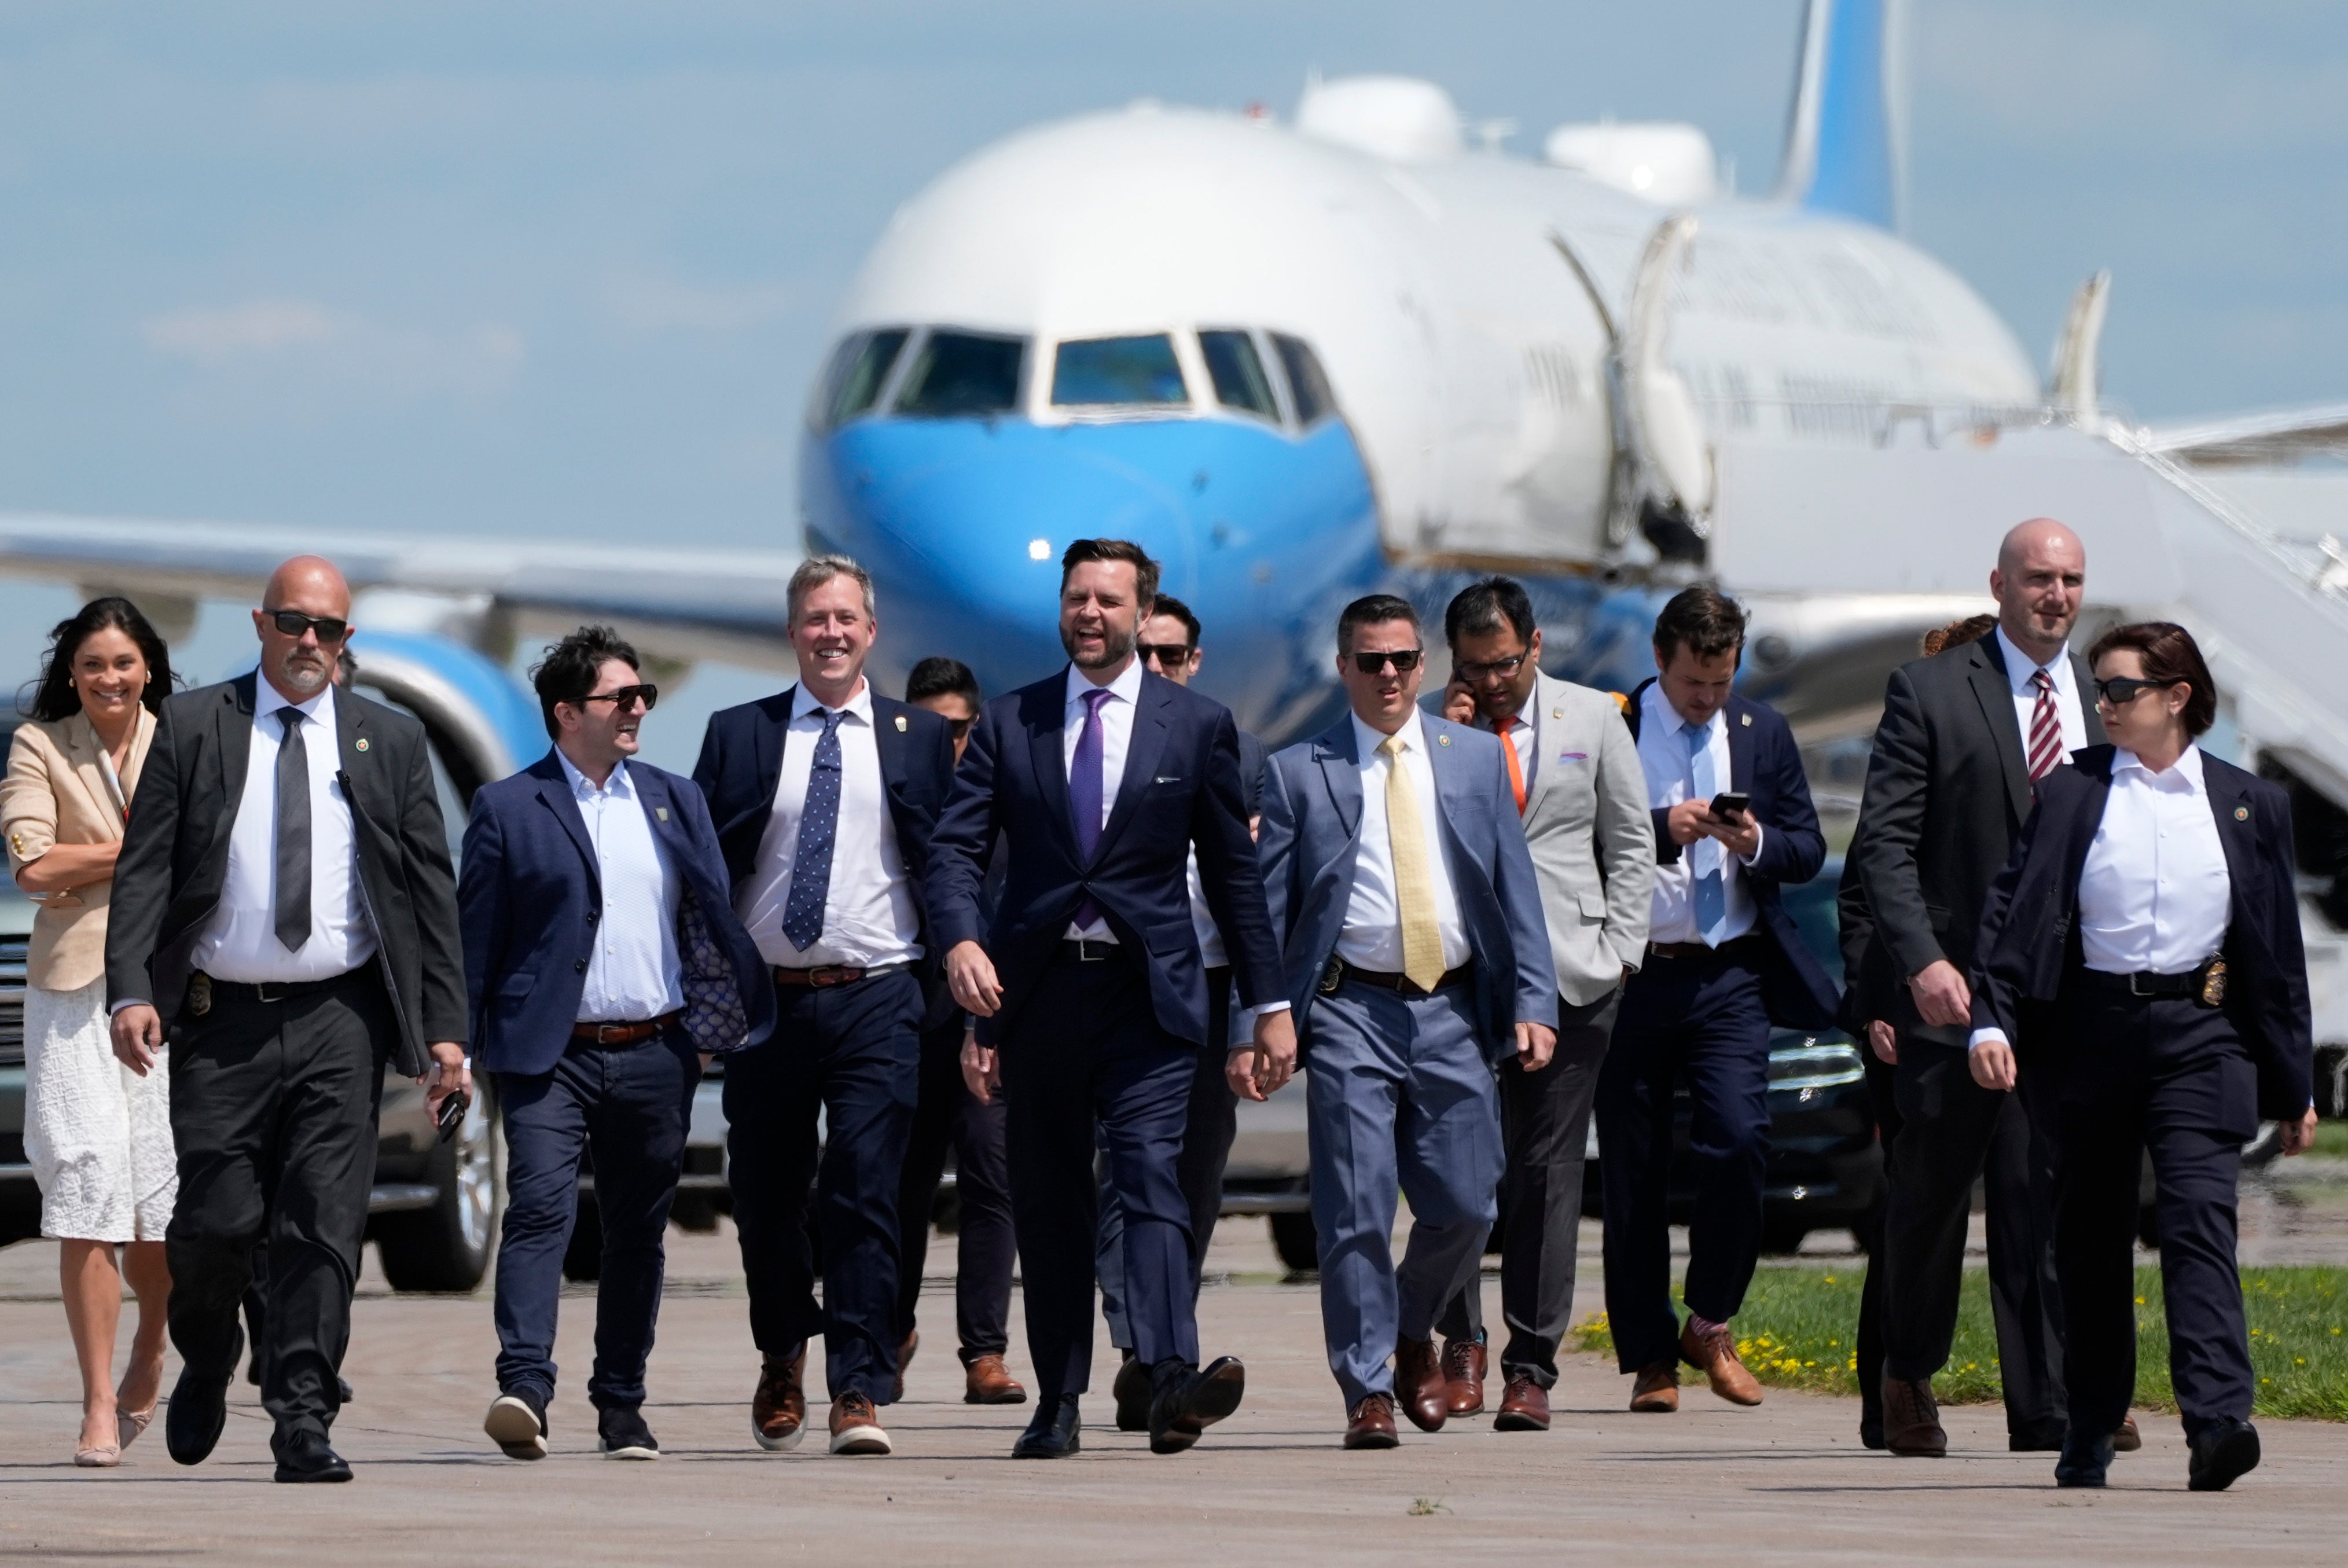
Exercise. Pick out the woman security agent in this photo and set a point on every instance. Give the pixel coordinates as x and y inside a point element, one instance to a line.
<point>2142,950</point>
<point>98,1137</point>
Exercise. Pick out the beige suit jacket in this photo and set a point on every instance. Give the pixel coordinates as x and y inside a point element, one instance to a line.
<point>56,793</point>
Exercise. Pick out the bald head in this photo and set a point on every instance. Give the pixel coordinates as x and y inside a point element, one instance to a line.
<point>2041,578</point>
<point>307,595</point>
<point>311,584</point>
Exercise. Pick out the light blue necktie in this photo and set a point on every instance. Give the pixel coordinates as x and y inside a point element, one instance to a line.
<point>1706,856</point>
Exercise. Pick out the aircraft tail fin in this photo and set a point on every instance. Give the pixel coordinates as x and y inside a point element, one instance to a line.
<point>1844,145</point>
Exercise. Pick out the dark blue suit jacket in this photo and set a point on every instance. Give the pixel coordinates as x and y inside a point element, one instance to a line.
<point>1766,766</point>
<point>1311,831</point>
<point>2029,935</point>
<point>1181,787</point>
<point>528,898</point>
<point>742,762</point>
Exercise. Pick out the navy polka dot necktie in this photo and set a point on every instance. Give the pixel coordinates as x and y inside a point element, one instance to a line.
<point>819,830</point>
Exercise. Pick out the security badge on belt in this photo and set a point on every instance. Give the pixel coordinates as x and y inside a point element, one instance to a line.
<point>199,992</point>
<point>2213,984</point>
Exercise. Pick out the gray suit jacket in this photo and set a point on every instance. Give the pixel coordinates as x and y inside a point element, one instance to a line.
<point>1593,837</point>
<point>1311,826</point>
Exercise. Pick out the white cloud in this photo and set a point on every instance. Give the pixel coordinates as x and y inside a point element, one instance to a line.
<point>300,353</point>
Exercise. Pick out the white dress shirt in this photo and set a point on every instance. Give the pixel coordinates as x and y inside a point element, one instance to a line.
<point>1117,738</point>
<point>1212,953</point>
<point>2154,896</point>
<point>239,941</point>
<point>1664,757</point>
<point>869,918</point>
<point>2018,671</point>
<point>634,970</point>
<point>1371,937</point>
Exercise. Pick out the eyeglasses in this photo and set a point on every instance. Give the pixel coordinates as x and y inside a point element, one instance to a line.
<point>1165,656</point>
<point>1405,660</point>
<point>627,696</point>
<point>293,623</point>
<point>2121,690</point>
<point>1471,673</point>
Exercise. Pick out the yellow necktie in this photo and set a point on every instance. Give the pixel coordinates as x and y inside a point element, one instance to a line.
<point>1422,937</point>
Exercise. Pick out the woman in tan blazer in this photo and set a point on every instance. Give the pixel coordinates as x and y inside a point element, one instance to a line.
<point>98,1137</point>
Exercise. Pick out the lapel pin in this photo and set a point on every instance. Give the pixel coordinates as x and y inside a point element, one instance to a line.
<point>1442,740</point>
<point>1557,713</point>
<point>1748,719</point>
<point>362,745</point>
<point>2242,813</point>
<point>662,812</point>
<point>901,724</point>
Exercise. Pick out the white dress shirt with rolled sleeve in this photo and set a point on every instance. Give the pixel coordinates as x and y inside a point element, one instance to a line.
<point>634,971</point>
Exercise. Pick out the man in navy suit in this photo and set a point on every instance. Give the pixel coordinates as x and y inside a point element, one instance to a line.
<point>1087,983</point>
<point>602,958</point>
<point>1724,962</point>
<point>825,796</point>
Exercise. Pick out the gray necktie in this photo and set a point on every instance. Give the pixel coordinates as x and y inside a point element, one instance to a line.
<point>293,833</point>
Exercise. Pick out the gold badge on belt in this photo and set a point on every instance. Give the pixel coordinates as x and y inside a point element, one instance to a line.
<point>199,992</point>
<point>2213,984</point>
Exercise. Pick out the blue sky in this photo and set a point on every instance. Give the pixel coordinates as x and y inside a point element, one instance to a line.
<point>541,268</point>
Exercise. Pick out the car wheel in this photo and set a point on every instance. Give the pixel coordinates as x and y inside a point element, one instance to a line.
<point>1296,1241</point>
<point>446,1247</point>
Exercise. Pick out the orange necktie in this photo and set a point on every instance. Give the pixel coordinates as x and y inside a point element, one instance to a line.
<point>1515,769</point>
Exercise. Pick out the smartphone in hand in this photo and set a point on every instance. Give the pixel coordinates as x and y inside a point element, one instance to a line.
<point>1730,804</point>
<point>452,1112</point>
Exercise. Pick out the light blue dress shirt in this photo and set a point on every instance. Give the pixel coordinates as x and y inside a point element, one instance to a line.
<point>633,971</point>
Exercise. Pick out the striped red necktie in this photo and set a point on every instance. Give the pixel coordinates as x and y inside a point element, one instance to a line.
<point>2046,728</point>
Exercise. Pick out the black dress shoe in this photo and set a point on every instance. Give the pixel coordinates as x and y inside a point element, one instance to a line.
<point>1190,1401</point>
<point>2222,1455</point>
<point>306,1457</point>
<point>1053,1434</point>
<point>199,1410</point>
<point>2047,1438</point>
<point>1133,1394</point>
<point>2083,1460</point>
<point>1870,1435</point>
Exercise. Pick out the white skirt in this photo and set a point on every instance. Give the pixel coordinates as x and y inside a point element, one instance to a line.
<point>98,1135</point>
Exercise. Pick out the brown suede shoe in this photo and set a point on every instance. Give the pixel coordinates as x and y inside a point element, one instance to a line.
<point>1715,1354</point>
<point>1371,1423</point>
<point>905,1359</point>
<point>1911,1419</point>
<point>1657,1392</point>
<point>987,1381</point>
<point>1524,1407</point>
<point>856,1427</point>
<point>1463,1376</point>
<point>778,1409</point>
<point>2125,1438</point>
<point>1418,1383</point>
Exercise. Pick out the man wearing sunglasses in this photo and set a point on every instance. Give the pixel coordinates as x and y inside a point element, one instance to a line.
<point>283,908</point>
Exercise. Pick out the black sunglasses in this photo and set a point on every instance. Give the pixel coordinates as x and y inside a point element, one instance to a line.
<point>1165,656</point>
<point>2121,690</point>
<point>293,623</point>
<point>1405,660</point>
<point>627,696</point>
<point>1472,673</point>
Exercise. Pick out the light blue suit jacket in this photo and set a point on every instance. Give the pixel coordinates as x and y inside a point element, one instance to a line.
<point>1312,828</point>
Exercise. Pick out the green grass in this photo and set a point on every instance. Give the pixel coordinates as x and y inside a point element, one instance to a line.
<point>2331,1140</point>
<point>1798,1326</point>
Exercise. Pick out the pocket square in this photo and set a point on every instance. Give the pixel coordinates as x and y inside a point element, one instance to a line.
<point>1167,778</point>
<point>1573,757</point>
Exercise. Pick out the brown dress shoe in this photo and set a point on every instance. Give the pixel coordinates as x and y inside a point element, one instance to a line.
<point>1524,1407</point>
<point>987,1381</point>
<point>1911,1419</point>
<point>1418,1383</point>
<point>1463,1376</point>
<point>856,1427</point>
<point>1371,1423</point>
<point>1657,1392</point>
<point>1715,1353</point>
<point>2125,1438</point>
<point>905,1359</point>
<point>778,1409</point>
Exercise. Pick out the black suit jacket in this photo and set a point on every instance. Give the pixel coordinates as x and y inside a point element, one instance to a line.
<point>1766,766</point>
<point>175,857</point>
<point>1181,787</point>
<point>1948,789</point>
<point>2029,937</point>
<point>742,762</point>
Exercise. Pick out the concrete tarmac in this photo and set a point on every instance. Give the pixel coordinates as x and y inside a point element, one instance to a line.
<point>1785,1482</point>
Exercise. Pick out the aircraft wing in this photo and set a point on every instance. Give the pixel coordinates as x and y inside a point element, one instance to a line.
<point>683,604</point>
<point>2273,437</point>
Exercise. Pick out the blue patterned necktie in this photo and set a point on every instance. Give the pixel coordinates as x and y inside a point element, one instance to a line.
<point>1087,787</point>
<point>1706,856</point>
<point>819,830</point>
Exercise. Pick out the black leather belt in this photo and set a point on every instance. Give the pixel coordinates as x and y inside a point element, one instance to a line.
<point>2145,982</point>
<point>1086,950</point>
<point>1403,984</point>
<point>204,992</point>
<point>1687,950</point>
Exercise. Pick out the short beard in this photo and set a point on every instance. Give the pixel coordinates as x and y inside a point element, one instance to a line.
<point>1115,649</point>
<point>308,681</point>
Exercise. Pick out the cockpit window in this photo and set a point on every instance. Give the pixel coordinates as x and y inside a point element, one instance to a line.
<point>859,366</point>
<point>1097,370</point>
<point>1237,370</point>
<point>1307,384</point>
<point>962,373</point>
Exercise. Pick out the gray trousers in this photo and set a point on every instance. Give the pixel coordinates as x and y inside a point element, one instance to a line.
<point>1545,1122</point>
<point>1399,1094</point>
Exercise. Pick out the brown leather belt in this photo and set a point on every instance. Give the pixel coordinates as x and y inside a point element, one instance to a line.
<point>625,1033</point>
<point>1698,949</point>
<point>1403,984</point>
<point>824,975</point>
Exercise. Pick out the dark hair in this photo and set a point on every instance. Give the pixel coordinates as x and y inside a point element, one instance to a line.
<point>1369,610</point>
<point>53,697</point>
<point>1145,570</point>
<point>1167,605</point>
<point>567,672</point>
<point>1703,621</point>
<point>2170,657</point>
<point>942,677</point>
<point>1483,606</point>
<point>1957,633</point>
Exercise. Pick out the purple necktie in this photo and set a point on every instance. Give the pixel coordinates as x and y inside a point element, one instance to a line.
<point>1087,788</point>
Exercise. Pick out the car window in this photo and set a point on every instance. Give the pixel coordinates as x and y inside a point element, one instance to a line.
<point>1238,373</point>
<point>1117,370</point>
<point>1307,384</point>
<point>962,374</point>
